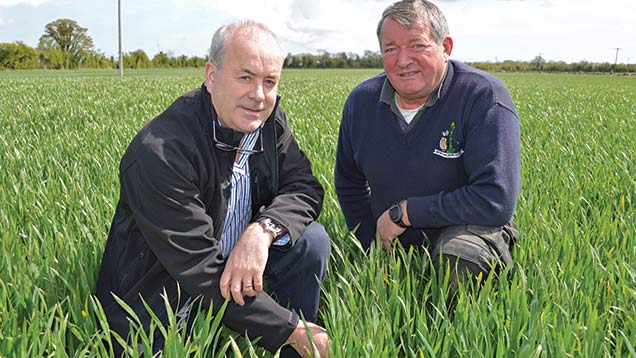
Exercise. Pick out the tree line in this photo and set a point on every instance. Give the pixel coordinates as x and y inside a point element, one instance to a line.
<point>66,45</point>
<point>539,64</point>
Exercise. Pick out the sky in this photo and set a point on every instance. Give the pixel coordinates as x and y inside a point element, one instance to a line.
<point>482,30</point>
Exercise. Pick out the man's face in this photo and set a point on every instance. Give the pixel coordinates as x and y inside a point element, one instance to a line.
<point>413,61</point>
<point>244,88</point>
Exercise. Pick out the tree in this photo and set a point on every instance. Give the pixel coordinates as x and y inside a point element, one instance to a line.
<point>538,62</point>
<point>371,59</point>
<point>52,57</point>
<point>181,61</point>
<point>70,39</point>
<point>340,60</point>
<point>297,62</point>
<point>18,56</point>
<point>308,60</point>
<point>161,60</point>
<point>196,61</point>
<point>136,59</point>
<point>97,59</point>
<point>324,59</point>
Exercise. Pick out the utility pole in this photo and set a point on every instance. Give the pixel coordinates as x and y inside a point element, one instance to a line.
<point>616,58</point>
<point>121,61</point>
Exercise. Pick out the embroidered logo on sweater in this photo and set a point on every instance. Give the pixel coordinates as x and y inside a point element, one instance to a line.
<point>448,148</point>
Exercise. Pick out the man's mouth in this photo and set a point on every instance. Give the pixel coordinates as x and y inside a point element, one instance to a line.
<point>408,74</point>
<point>253,111</point>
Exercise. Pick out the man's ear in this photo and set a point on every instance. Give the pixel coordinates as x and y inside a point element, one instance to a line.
<point>210,72</point>
<point>448,46</point>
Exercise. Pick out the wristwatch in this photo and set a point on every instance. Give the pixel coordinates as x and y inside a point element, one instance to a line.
<point>271,226</point>
<point>396,215</point>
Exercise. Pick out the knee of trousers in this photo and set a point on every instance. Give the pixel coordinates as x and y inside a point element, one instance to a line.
<point>314,249</point>
<point>461,267</point>
<point>472,249</point>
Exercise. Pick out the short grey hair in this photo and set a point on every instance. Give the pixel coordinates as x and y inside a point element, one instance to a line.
<point>409,12</point>
<point>224,33</point>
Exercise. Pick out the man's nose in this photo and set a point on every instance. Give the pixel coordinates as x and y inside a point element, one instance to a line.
<point>257,93</point>
<point>404,58</point>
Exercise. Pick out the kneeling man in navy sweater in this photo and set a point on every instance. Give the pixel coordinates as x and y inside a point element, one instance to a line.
<point>429,150</point>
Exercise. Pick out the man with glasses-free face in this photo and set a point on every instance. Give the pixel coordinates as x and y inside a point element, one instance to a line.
<point>217,198</point>
<point>429,151</point>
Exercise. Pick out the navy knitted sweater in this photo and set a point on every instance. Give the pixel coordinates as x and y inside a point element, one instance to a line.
<point>459,163</point>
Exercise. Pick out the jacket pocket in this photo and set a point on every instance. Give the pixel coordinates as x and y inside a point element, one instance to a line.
<point>132,265</point>
<point>130,271</point>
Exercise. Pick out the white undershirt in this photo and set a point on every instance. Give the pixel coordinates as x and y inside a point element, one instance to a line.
<point>408,114</point>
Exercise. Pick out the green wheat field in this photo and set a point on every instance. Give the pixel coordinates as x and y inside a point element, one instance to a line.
<point>572,291</point>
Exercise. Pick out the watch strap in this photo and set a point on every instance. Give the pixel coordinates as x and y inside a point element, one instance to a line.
<point>398,220</point>
<point>272,226</point>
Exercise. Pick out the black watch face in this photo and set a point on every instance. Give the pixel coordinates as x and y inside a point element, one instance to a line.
<point>394,213</point>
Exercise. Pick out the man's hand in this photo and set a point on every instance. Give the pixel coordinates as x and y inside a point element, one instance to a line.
<point>387,230</point>
<point>299,340</point>
<point>243,273</point>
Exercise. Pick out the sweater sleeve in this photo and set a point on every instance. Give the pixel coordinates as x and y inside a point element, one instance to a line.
<point>351,185</point>
<point>492,162</point>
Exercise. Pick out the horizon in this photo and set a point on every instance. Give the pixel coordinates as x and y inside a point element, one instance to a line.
<point>483,31</point>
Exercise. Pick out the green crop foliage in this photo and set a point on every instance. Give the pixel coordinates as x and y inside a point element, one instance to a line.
<point>573,287</point>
